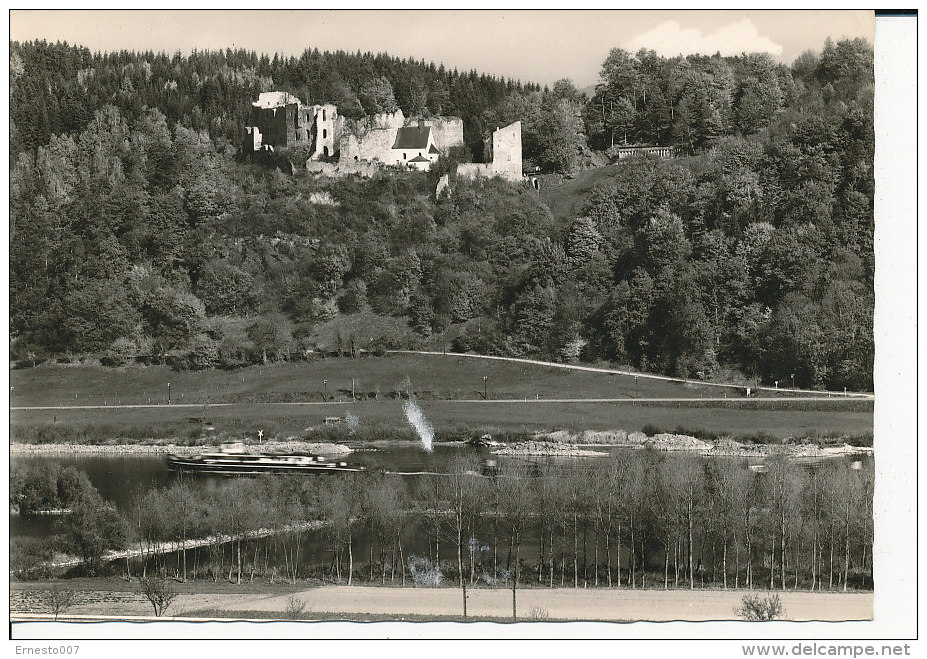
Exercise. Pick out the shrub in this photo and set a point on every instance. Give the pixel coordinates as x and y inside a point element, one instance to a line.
<point>758,609</point>
<point>159,591</point>
<point>650,430</point>
<point>538,613</point>
<point>58,598</point>
<point>295,608</point>
<point>122,351</point>
<point>424,572</point>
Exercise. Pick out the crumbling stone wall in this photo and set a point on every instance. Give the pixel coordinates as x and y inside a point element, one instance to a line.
<point>506,152</point>
<point>279,126</point>
<point>342,168</point>
<point>371,138</point>
<point>324,130</point>
<point>446,131</point>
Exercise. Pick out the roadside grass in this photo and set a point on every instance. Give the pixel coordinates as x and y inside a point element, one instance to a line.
<point>330,379</point>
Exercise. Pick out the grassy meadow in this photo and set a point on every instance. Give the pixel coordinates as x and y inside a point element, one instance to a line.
<point>291,398</point>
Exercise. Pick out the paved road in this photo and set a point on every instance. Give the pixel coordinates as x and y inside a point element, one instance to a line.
<point>557,603</point>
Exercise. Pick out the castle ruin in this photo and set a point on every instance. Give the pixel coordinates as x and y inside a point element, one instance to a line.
<point>280,120</point>
<point>506,160</point>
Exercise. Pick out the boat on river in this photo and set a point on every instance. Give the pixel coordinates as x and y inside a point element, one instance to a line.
<point>235,459</point>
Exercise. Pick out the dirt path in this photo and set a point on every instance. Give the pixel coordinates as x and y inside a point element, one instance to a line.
<point>557,603</point>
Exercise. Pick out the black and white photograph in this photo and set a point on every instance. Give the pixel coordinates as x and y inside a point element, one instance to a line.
<point>473,323</point>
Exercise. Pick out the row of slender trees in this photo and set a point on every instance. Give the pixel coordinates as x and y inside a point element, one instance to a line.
<point>639,519</point>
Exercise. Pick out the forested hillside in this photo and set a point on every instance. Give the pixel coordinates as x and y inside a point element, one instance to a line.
<point>137,234</point>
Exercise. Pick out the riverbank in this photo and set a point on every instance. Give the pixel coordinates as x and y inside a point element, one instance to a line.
<point>112,597</point>
<point>669,442</point>
<point>555,444</point>
<point>548,449</point>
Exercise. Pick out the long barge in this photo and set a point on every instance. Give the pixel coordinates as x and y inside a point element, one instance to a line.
<point>232,460</point>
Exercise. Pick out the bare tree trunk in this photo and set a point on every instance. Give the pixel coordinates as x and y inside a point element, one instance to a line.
<point>666,564</point>
<point>585,556</point>
<point>463,584</point>
<point>643,565</point>
<point>846,559</point>
<point>472,555</point>
<point>618,555</point>
<point>350,558</point>
<point>402,564</point>
<point>772,566</point>
<point>608,560</point>
<point>796,554</point>
<point>724,564</point>
<point>814,557</point>
<point>575,552</point>
<point>495,548</point>
<point>551,563</point>
<point>517,542</point>
<point>296,559</point>
<point>782,549</point>
<point>632,576</point>
<point>736,564</point>
<point>689,515</point>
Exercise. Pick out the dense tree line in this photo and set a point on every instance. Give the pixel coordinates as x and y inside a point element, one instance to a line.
<point>57,88</point>
<point>136,235</point>
<point>640,519</point>
<point>88,526</point>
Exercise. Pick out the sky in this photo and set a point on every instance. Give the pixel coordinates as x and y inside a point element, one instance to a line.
<point>530,45</point>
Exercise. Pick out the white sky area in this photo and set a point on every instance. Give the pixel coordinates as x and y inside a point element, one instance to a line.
<point>531,45</point>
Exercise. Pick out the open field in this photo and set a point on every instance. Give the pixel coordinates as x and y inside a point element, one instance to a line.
<point>430,376</point>
<point>288,399</point>
<point>446,416</point>
<point>361,602</point>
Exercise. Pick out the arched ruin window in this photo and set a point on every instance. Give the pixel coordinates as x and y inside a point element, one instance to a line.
<point>324,133</point>
<point>323,115</point>
<point>325,151</point>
